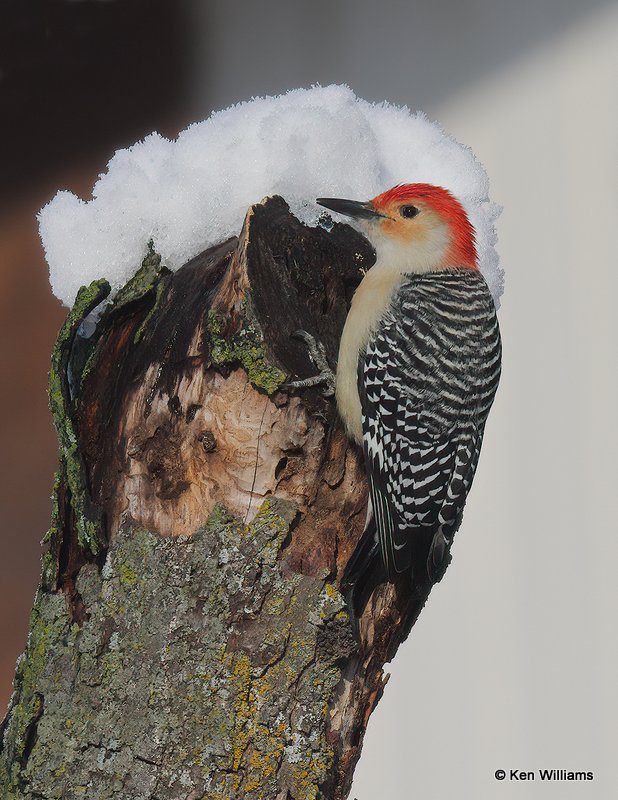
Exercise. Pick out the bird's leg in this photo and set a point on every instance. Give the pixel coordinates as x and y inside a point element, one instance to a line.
<point>318,356</point>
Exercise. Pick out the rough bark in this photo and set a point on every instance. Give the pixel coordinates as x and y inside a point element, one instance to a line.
<point>188,639</point>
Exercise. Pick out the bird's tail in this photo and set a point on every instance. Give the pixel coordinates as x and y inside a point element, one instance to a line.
<point>363,572</point>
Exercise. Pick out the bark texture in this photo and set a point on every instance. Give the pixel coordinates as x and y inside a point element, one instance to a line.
<point>188,639</point>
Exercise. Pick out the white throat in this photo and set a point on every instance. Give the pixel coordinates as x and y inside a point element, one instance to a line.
<point>395,259</point>
<point>425,254</point>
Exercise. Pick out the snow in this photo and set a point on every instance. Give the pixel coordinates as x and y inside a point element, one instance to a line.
<point>192,192</point>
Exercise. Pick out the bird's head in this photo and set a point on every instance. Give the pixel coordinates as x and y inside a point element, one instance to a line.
<point>414,227</point>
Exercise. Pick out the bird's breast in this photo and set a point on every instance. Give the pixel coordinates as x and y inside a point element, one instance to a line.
<point>369,304</point>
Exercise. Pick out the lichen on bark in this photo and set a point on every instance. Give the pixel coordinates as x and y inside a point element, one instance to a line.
<point>246,347</point>
<point>213,653</point>
<point>61,407</point>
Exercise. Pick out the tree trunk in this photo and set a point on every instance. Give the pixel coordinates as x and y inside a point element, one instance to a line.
<point>188,639</point>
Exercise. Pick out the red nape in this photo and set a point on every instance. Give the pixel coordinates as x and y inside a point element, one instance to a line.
<point>463,246</point>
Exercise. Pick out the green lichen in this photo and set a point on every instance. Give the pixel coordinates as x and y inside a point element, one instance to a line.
<point>51,539</point>
<point>198,655</point>
<point>53,529</point>
<point>145,280</point>
<point>60,405</point>
<point>127,575</point>
<point>48,624</point>
<point>159,290</point>
<point>246,348</point>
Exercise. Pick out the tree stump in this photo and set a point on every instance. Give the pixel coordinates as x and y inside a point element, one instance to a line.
<point>189,639</point>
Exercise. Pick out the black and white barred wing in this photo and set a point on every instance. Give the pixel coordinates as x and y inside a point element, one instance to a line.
<point>426,384</point>
<point>418,482</point>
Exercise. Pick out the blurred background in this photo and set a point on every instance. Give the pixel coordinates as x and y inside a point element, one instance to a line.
<point>513,663</point>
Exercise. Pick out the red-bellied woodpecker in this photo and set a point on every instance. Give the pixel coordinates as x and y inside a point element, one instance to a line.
<point>418,368</point>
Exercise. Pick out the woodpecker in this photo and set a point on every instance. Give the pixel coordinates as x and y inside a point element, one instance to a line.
<point>419,364</point>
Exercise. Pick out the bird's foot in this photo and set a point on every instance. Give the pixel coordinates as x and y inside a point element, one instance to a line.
<point>317,353</point>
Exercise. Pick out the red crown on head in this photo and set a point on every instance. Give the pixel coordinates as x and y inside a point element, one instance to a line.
<point>440,200</point>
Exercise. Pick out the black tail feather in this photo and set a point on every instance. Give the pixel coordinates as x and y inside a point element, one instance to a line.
<point>363,572</point>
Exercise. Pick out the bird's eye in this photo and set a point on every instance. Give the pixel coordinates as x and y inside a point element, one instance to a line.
<point>409,211</point>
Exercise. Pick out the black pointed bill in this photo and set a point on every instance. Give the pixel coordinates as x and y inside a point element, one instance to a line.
<point>351,208</point>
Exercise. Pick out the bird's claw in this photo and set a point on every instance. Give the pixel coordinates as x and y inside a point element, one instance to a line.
<point>317,353</point>
<point>325,378</point>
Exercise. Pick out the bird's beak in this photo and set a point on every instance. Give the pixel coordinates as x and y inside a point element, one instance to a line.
<point>351,208</point>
